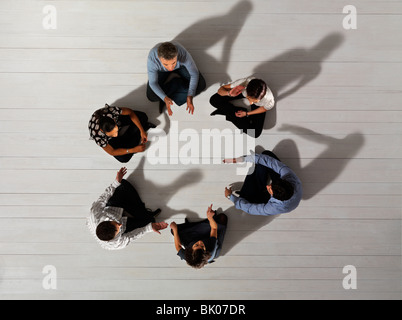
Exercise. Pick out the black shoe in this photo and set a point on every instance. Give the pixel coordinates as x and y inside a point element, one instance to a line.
<point>154,213</point>
<point>151,125</point>
<point>161,106</point>
<point>217,111</point>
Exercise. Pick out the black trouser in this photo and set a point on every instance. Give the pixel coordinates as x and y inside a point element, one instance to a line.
<point>177,88</point>
<point>131,136</point>
<point>127,197</point>
<point>252,125</point>
<point>254,189</point>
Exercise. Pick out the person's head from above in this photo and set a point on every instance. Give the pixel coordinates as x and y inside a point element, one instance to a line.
<point>107,230</point>
<point>256,90</point>
<point>167,54</point>
<point>197,256</point>
<point>280,189</point>
<point>107,124</point>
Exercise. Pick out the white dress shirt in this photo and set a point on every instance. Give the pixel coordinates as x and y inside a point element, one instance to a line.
<point>268,101</point>
<point>100,212</point>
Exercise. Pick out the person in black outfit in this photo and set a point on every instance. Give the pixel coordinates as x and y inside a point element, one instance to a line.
<point>121,132</point>
<point>256,97</point>
<point>202,241</point>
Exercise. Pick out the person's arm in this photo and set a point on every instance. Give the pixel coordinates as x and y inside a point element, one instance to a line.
<point>241,114</point>
<point>230,90</point>
<point>187,60</point>
<point>156,88</point>
<point>258,209</point>
<point>100,204</point>
<point>109,191</point>
<point>224,90</point>
<point>177,242</point>
<point>233,89</point>
<point>153,68</point>
<point>122,151</point>
<point>136,121</point>
<point>265,160</point>
<point>212,222</point>
<point>140,232</point>
<point>156,226</point>
<point>136,233</point>
<point>270,162</point>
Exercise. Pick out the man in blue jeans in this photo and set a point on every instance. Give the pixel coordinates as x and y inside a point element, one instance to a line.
<point>273,188</point>
<point>173,77</point>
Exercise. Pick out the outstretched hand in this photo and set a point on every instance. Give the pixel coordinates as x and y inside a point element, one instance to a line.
<point>156,226</point>
<point>236,91</point>
<point>169,104</point>
<point>120,174</point>
<point>210,212</point>
<point>190,105</point>
<point>233,160</point>
<point>228,192</point>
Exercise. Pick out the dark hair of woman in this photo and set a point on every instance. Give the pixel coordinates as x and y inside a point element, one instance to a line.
<point>196,258</point>
<point>106,123</point>
<point>167,51</point>
<point>106,231</point>
<point>257,89</point>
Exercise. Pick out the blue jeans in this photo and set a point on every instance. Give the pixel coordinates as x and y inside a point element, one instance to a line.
<point>177,88</point>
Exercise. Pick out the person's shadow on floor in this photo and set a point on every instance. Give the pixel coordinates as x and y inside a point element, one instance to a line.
<point>240,226</point>
<point>203,35</point>
<point>197,39</point>
<point>338,151</point>
<point>290,71</point>
<point>327,166</point>
<point>158,196</point>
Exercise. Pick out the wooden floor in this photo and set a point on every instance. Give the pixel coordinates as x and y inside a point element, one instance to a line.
<point>337,123</point>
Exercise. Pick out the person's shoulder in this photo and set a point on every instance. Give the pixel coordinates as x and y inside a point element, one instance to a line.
<point>181,50</point>
<point>153,53</point>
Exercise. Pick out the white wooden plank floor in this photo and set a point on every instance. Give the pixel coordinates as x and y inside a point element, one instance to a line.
<point>337,123</point>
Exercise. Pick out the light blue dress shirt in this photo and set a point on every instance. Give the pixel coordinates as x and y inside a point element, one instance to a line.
<point>273,206</point>
<point>184,58</point>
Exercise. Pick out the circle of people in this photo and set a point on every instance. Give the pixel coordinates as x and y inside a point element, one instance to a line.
<point>119,216</point>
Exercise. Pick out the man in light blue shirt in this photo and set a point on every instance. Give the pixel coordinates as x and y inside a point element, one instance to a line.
<point>273,188</point>
<point>173,76</point>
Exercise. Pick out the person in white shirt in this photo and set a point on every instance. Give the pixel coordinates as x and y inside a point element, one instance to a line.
<point>119,216</point>
<point>257,98</point>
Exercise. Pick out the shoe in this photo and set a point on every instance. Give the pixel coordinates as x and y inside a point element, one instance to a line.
<point>151,125</point>
<point>161,106</point>
<point>217,111</point>
<point>154,213</point>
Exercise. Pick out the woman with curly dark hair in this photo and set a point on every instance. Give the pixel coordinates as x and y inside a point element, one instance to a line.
<point>202,241</point>
<point>121,132</point>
